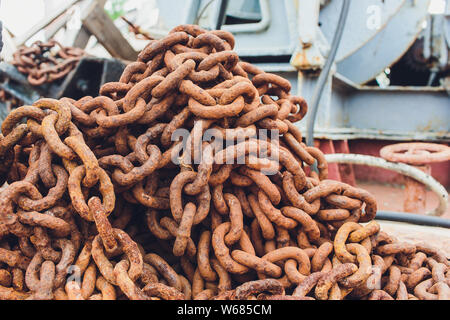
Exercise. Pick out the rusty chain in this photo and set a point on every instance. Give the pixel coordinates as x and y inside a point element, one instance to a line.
<point>95,208</point>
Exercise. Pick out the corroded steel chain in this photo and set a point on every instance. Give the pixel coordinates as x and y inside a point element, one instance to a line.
<point>104,201</point>
<point>43,63</point>
<point>7,102</point>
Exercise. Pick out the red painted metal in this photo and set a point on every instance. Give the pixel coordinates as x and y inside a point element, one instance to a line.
<point>415,193</point>
<point>419,155</point>
<point>341,172</point>
<point>327,147</point>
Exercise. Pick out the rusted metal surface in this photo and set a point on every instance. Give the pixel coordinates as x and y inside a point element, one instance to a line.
<point>420,155</point>
<point>81,172</point>
<point>88,76</point>
<point>42,65</point>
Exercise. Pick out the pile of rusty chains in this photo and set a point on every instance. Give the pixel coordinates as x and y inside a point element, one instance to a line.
<point>118,219</point>
<point>44,66</point>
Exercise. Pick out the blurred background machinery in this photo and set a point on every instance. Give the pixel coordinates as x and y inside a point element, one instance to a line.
<point>389,81</point>
<point>392,59</point>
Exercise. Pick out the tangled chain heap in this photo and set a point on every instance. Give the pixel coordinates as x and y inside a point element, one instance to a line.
<point>95,208</point>
<point>44,66</point>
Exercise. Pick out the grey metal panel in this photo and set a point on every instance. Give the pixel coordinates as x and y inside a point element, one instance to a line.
<point>367,18</point>
<point>387,46</point>
<point>260,26</point>
<point>176,12</point>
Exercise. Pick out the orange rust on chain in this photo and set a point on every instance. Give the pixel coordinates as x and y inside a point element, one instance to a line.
<point>82,173</point>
